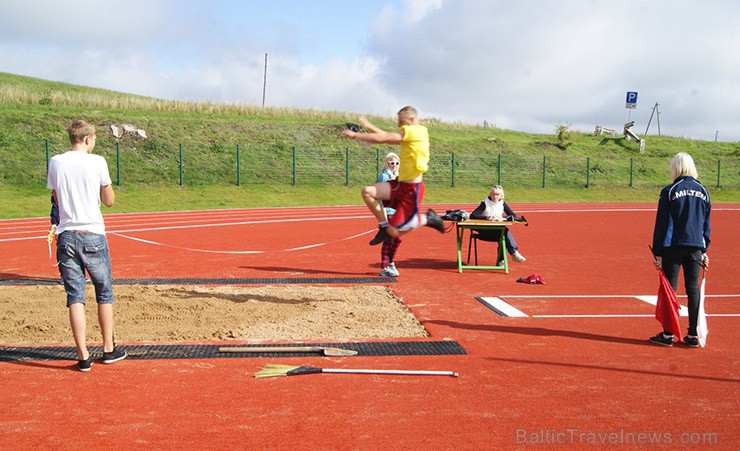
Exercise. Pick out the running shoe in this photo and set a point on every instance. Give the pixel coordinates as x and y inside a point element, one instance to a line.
<point>435,221</point>
<point>390,271</point>
<point>690,341</point>
<point>662,340</point>
<point>114,356</point>
<point>85,365</point>
<point>381,236</point>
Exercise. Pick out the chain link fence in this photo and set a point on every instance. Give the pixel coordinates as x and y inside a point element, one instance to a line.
<point>214,164</point>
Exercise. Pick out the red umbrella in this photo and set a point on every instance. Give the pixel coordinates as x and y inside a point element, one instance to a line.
<point>666,309</point>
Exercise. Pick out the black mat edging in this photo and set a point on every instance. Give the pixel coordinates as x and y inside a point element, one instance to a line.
<point>152,352</point>
<point>223,281</point>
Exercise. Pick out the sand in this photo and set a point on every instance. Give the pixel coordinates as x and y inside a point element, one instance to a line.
<point>37,315</point>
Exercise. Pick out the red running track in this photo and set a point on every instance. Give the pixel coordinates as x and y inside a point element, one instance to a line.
<point>577,370</point>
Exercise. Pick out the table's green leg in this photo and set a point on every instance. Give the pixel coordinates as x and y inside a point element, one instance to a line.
<point>459,231</point>
<point>502,243</point>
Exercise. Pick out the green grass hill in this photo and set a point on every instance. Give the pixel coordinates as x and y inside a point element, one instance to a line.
<point>205,155</point>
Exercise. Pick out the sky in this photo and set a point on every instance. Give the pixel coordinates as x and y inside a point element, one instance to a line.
<point>524,65</point>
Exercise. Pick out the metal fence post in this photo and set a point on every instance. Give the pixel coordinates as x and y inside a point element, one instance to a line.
<point>453,170</point>
<point>498,182</point>
<point>544,169</point>
<point>631,170</point>
<point>346,166</point>
<point>294,167</point>
<point>46,142</point>
<point>238,166</point>
<point>588,171</point>
<point>118,163</point>
<point>180,165</point>
<point>377,162</point>
<point>719,171</point>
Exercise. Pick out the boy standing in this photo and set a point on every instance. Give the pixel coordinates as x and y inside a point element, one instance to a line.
<point>80,181</point>
<point>407,191</point>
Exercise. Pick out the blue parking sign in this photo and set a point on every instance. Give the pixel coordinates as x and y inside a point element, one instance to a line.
<point>631,101</point>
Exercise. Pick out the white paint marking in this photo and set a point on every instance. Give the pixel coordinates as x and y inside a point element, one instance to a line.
<point>623,316</point>
<point>502,308</point>
<point>652,300</point>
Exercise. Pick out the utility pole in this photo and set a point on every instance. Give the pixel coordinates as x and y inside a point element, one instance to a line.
<point>264,83</point>
<point>657,116</point>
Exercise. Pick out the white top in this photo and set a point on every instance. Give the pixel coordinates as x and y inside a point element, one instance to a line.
<point>495,209</point>
<point>77,177</point>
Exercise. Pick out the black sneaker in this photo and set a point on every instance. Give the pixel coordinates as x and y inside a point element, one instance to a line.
<point>691,342</point>
<point>114,356</point>
<point>660,339</point>
<point>381,236</point>
<point>85,365</point>
<point>435,221</point>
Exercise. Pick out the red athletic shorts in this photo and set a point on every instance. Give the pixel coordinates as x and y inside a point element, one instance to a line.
<point>406,198</point>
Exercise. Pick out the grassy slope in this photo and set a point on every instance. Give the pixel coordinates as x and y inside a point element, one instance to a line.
<point>33,110</point>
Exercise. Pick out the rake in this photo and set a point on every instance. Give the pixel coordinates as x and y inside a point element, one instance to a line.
<point>308,349</point>
<point>275,370</point>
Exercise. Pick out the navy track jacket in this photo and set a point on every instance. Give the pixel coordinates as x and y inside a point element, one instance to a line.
<point>683,216</point>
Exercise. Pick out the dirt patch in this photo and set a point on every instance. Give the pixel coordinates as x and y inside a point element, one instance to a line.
<point>169,313</point>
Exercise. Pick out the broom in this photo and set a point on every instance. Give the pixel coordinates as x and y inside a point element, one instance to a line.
<point>275,370</point>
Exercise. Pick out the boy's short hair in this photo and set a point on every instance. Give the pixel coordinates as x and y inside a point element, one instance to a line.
<point>79,130</point>
<point>408,112</point>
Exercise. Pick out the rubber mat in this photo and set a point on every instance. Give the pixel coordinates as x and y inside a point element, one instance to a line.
<point>224,281</point>
<point>151,352</point>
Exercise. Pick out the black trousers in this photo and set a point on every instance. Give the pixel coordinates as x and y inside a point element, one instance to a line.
<point>688,258</point>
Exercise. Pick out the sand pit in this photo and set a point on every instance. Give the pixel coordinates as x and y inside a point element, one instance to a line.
<point>167,313</point>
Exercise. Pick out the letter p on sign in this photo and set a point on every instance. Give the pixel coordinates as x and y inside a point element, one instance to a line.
<point>631,101</point>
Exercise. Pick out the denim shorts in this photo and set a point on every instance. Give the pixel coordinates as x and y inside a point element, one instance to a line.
<point>78,252</point>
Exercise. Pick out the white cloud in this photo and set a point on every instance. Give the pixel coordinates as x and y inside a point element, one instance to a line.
<point>525,65</point>
<point>532,64</point>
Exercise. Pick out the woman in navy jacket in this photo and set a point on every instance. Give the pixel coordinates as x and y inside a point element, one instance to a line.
<point>681,237</point>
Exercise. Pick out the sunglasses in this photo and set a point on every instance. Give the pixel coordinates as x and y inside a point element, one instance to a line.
<point>393,163</point>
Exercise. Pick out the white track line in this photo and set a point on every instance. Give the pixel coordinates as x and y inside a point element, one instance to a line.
<point>598,296</point>
<point>113,230</point>
<point>623,316</point>
<point>653,300</point>
<point>214,251</point>
<point>502,308</point>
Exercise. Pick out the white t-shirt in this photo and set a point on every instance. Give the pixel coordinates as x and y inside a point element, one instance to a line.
<point>77,177</point>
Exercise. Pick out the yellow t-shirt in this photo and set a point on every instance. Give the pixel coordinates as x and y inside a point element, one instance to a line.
<point>414,152</point>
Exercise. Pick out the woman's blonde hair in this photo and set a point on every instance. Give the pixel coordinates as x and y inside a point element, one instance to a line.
<point>497,188</point>
<point>682,165</point>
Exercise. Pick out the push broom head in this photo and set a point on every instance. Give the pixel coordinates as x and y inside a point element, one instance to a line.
<point>276,369</point>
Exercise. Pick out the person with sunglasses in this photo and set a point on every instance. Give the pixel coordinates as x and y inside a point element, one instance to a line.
<point>390,247</point>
